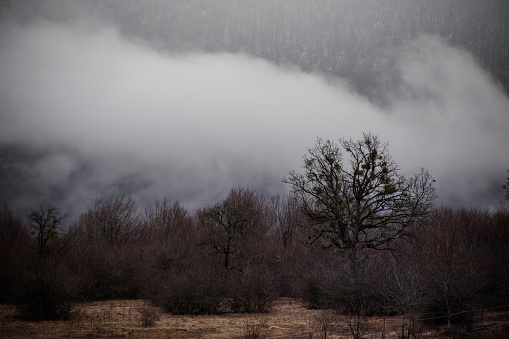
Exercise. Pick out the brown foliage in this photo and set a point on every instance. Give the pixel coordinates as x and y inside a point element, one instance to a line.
<point>240,254</point>
<point>14,243</point>
<point>460,252</point>
<point>113,220</point>
<point>235,227</point>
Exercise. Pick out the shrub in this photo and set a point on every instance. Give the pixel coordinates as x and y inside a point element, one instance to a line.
<point>47,293</point>
<point>149,315</point>
<point>14,243</point>
<point>208,288</point>
<point>251,291</point>
<point>190,292</point>
<point>253,332</point>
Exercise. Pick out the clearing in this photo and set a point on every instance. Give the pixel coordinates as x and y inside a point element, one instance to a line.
<point>288,319</point>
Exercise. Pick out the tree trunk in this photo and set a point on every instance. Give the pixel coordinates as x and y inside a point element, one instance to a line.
<point>402,325</point>
<point>354,265</point>
<point>226,258</point>
<point>383,331</point>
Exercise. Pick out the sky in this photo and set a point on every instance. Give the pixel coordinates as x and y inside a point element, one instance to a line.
<point>85,112</point>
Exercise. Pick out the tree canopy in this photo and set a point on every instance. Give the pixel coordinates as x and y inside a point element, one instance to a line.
<point>362,201</point>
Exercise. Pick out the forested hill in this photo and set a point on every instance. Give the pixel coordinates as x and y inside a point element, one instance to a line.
<point>357,40</point>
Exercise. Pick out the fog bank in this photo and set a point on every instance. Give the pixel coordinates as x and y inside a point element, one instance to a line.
<point>86,112</point>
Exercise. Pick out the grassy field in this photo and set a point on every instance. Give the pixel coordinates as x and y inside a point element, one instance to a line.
<point>288,319</point>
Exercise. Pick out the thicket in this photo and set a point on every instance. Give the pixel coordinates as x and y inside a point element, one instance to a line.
<point>455,262</point>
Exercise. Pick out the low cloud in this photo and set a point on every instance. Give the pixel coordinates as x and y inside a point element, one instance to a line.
<point>89,112</point>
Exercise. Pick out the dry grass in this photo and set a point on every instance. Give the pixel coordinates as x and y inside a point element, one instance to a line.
<point>289,319</point>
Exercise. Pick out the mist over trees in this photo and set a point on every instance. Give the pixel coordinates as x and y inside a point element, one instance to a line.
<point>352,39</point>
<point>130,59</point>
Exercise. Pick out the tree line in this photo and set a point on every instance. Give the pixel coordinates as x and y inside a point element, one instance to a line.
<point>353,236</point>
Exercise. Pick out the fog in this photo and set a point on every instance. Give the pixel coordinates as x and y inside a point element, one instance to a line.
<point>86,111</point>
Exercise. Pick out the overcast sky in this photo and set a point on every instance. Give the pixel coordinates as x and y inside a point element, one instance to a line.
<point>97,114</point>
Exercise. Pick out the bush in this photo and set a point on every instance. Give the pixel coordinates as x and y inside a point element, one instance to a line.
<point>149,315</point>
<point>14,243</point>
<point>191,302</point>
<point>208,288</point>
<point>251,291</point>
<point>189,292</point>
<point>253,332</point>
<point>321,279</point>
<point>46,294</point>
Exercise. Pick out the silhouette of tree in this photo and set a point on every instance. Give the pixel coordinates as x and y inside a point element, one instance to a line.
<point>360,203</point>
<point>45,223</point>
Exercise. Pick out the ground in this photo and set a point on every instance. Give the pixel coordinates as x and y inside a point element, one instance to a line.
<point>288,319</point>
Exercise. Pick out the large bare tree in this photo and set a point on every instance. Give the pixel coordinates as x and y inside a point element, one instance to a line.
<point>359,202</point>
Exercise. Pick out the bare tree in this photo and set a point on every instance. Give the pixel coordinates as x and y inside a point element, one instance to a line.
<point>171,232</point>
<point>170,221</point>
<point>454,259</point>
<point>325,321</point>
<point>285,218</point>
<point>354,311</point>
<point>113,220</point>
<point>14,240</point>
<point>231,226</point>
<point>45,223</point>
<point>361,203</point>
<point>105,248</point>
<point>403,289</point>
<point>12,230</point>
